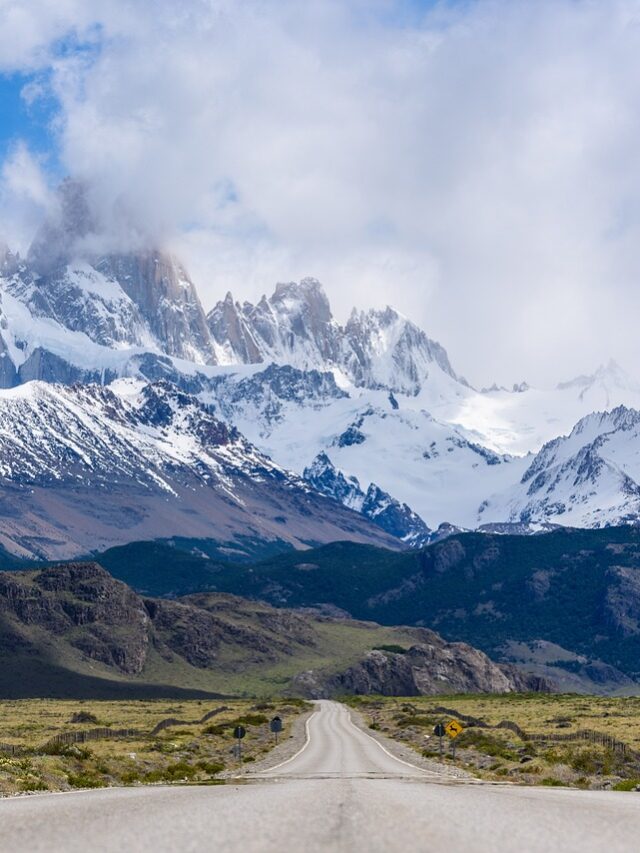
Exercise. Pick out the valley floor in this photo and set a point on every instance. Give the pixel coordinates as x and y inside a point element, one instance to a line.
<point>341,792</point>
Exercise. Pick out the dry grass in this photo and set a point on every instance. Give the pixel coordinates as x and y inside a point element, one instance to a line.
<point>500,754</point>
<point>195,752</point>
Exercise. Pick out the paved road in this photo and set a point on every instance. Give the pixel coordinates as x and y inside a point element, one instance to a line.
<point>342,792</point>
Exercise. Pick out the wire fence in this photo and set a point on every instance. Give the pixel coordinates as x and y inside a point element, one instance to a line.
<point>608,741</point>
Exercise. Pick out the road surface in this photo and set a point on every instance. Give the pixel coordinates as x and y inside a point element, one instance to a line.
<point>341,792</point>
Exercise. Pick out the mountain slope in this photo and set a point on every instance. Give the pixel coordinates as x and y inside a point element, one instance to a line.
<point>69,286</point>
<point>89,467</point>
<point>380,507</point>
<point>76,619</point>
<point>566,604</point>
<point>589,478</point>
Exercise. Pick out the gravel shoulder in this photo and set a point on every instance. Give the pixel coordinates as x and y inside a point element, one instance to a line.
<point>404,752</point>
<point>294,741</point>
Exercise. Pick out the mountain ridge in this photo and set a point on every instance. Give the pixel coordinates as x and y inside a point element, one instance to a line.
<point>375,395</point>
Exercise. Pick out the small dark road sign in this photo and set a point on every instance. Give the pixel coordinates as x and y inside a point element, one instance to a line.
<point>239,732</point>
<point>276,727</point>
<point>439,730</point>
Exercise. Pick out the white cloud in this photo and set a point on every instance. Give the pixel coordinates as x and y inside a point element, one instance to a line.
<point>476,164</point>
<point>25,196</point>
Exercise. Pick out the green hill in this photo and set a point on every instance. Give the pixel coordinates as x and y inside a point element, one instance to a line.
<point>570,598</point>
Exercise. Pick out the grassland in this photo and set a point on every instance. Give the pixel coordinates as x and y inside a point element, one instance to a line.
<point>501,755</point>
<point>189,752</point>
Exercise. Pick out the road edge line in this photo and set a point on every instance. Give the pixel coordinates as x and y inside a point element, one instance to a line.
<point>299,752</point>
<point>385,750</point>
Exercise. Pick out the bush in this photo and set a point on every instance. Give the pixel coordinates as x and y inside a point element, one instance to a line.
<point>216,729</point>
<point>627,785</point>
<point>487,744</point>
<point>85,780</point>
<point>179,770</point>
<point>392,648</point>
<point>550,782</point>
<point>245,720</point>
<point>31,783</point>
<point>414,720</point>
<point>129,777</point>
<point>84,717</point>
<point>251,720</point>
<point>175,772</point>
<point>211,767</point>
<point>67,750</point>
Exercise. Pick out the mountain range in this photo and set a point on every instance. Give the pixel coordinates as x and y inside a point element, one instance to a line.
<point>271,421</point>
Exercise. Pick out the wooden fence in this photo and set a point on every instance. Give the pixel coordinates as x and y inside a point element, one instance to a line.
<point>102,733</point>
<point>601,738</point>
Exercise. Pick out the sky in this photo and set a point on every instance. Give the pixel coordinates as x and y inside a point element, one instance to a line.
<point>474,164</point>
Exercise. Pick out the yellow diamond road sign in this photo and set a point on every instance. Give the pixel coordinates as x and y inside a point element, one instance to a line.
<point>453,728</point>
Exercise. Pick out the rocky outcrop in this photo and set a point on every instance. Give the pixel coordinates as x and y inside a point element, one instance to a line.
<point>198,626</point>
<point>166,299</point>
<point>83,606</point>
<point>621,607</point>
<point>432,667</point>
<point>99,616</point>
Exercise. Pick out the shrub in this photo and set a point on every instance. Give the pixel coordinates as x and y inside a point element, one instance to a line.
<point>415,720</point>
<point>85,780</point>
<point>31,783</point>
<point>211,767</point>
<point>392,648</point>
<point>251,720</point>
<point>177,771</point>
<point>487,744</point>
<point>84,717</point>
<point>551,782</point>
<point>245,720</point>
<point>67,750</point>
<point>216,729</point>
<point>129,777</point>
<point>627,785</point>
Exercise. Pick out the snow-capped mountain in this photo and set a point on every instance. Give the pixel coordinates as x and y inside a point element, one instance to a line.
<point>87,467</point>
<point>589,478</point>
<point>375,396</point>
<point>65,291</point>
<point>295,326</point>
<point>396,518</point>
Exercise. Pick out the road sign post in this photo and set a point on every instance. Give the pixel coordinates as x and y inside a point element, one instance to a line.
<point>276,727</point>
<point>239,732</point>
<point>453,729</point>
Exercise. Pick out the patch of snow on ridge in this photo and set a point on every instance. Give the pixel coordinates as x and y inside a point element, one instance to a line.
<point>588,478</point>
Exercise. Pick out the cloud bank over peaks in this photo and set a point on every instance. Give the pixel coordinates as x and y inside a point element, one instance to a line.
<point>475,164</point>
